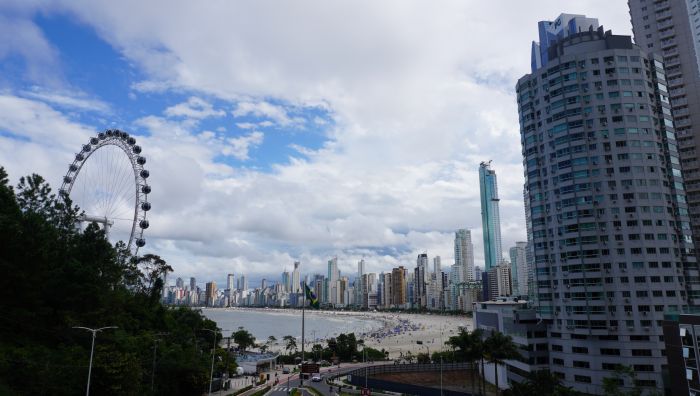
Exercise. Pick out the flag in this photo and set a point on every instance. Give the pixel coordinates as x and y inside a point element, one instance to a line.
<point>313,301</point>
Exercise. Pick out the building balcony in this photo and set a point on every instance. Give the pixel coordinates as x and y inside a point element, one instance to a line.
<point>683,111</point>
<point>670,52</point>
<point>682,101</point>
<point>674,61</point>
<point>664,24</point>
<point>661,15</point>
<point>664,5</point>
<point>675,82</point>
<point>666,44</point>
<point>667,33</point>
<point>677,91</point>
<point>684,122</point>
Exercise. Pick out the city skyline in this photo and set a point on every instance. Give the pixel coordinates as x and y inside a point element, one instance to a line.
<point>252,170</point>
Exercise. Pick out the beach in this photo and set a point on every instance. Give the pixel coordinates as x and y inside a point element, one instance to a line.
<point>395,332</point>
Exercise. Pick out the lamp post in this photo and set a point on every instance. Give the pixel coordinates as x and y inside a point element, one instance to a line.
<point>92,349</point>
<point>155,348</point>
<point>213,352</point>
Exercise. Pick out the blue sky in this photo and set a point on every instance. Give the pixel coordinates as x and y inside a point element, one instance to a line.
<point>275,133</point>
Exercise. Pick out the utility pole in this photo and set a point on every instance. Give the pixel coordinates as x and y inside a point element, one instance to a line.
<point>303,306</point>
<point>92,350</point>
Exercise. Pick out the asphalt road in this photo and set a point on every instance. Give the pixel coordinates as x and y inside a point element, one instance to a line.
<point>285,386</point>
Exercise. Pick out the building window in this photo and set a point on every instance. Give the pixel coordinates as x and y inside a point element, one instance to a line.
<point>582,364</point>
<point>582,378</point>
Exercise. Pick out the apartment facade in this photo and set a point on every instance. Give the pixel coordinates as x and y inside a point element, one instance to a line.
<point>607,213</point>
<point>670,29</point>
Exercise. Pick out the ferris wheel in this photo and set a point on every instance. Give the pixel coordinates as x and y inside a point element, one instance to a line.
<point>107,181</point>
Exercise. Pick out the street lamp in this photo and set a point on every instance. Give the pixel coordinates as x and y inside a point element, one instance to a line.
<point>213,352</point>
<point>92,349</point>
<point>155,348</point>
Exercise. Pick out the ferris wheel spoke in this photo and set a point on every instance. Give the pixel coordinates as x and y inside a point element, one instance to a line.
<point>106,184</point>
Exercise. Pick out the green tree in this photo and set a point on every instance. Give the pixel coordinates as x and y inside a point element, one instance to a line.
<point>290,344</point>
<point>82,280</point>
<point>423,358</point>
<point>615,385</point>
<point>469,347</point>
<point>500,348</point>
<point>540,383</point>
<point>243,338</point>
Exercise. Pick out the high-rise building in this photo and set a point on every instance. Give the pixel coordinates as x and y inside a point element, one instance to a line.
<point>398,286</point>
<point>242,283</point>
<point>499,281</point>
<point>477,273</point>
<point>286,281</point>
<point>420,280</point>
<point>490,217</point>
<point>358,288</point>
<point>193,284</point>
<point>210,294</point>
<point>518,268</point>
<point>229,282</point>
<point>669,28</point>
<point>332,279</point>
<point>179,283</point>
<point>437,265</point>
<point>610,232</point>
<point>464,253</point>
<point>296,278</point>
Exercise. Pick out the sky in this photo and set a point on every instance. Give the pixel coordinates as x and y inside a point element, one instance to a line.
<point>284,131</point>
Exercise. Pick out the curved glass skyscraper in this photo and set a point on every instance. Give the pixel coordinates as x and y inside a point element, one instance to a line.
<point>490,218</point>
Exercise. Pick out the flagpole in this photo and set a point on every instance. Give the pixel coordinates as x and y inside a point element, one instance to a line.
<point>303,306</point>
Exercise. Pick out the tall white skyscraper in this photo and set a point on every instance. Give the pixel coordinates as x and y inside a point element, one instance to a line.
<point>464,253</point>
<point>421,280</point>
<point>242,283</point>
<point>296,278</point>
<point>229,282</point>
<point>437,265</point>
<point>332,280</point>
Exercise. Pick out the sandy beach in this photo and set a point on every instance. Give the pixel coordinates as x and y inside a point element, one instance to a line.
<point>402,331</point>
<point>397,333</point>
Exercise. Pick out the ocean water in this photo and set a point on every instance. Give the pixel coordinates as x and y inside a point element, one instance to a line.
<point>279,323</point>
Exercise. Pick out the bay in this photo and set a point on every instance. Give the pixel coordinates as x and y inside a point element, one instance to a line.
<point>263,323</point>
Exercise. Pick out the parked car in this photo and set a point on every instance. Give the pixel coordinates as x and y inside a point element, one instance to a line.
<point>317,378</point>
<point>285,370</point>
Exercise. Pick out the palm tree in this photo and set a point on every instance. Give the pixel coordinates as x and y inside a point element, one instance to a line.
<point>500,348</point>
<point>470,349</point>
<point>271,339</point>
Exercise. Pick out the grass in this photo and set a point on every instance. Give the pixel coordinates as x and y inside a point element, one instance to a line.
<point>238,392</point>
<point>313,391</point>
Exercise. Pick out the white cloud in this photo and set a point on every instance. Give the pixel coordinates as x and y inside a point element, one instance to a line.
<point>195,108</point>
<point>68,100</point>
<point>239,147</point>
<point>416,98</point>
<point>264,109</point>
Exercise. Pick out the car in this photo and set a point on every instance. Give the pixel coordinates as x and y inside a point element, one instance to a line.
<point>317,378</point>
<point>285,370</point>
